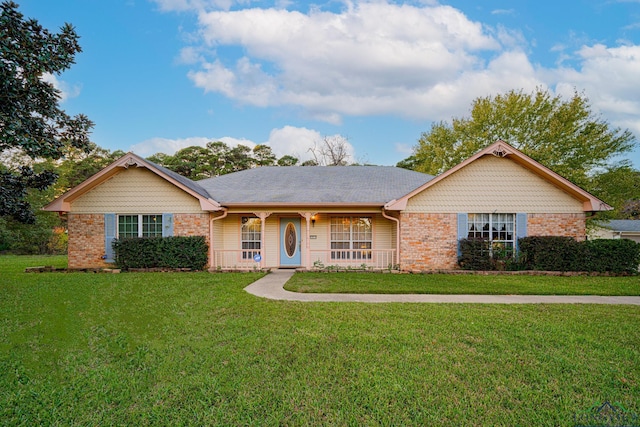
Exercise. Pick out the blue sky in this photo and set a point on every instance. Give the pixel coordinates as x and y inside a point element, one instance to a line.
<point>160,75</point>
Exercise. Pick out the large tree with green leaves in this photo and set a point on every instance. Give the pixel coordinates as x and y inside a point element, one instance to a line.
<point>31,120</point>
<point>562,134</point>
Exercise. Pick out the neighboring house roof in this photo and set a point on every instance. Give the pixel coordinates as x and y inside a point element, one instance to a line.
<point>502,149</point>
<point>313,185</point>
<point>622,225</point>
<point>63,203</point>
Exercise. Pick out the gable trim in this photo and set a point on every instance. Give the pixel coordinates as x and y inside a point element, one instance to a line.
<point>63,203</point>
<point>501,149</point>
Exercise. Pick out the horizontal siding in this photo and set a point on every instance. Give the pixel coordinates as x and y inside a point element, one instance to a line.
<point>494,184</point>
<point>136,190</point>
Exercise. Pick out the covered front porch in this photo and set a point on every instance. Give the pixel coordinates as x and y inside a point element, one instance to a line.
<point>304,239</point>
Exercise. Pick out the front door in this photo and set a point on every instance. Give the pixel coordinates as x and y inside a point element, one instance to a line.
<point>290,242</point>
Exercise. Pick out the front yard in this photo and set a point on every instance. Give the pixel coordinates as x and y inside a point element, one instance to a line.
<point>195,349</point>
<point>375,283</point>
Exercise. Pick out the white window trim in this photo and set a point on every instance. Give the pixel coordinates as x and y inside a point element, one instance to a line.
<point>140,223</point>
<point>494,235</point>
<point>352,253</point>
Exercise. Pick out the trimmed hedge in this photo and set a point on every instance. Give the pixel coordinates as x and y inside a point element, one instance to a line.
<point>555,253</point>
<point>550,253</point>
<point>475,254</point>
<point>161,252</point>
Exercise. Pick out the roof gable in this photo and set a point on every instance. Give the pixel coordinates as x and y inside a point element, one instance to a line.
<point>63,203</point>
<point>503,150</point>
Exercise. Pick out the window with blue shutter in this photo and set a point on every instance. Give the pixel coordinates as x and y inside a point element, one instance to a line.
<point>167,224</point>
<point>109,236</point>
<point>463,230</point>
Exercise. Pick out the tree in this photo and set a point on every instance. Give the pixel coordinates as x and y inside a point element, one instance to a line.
<point>619,186</point>
<point>263,155</point>
<point>563,135</point>
<point>31,120</point>
<point>288,160</point>
<point>331,151</point>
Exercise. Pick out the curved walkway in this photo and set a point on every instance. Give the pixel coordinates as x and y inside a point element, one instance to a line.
<point>271,287</point>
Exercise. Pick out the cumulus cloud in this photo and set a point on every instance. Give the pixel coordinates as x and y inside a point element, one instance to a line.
<point>67,90</point>
<point>423,60</point>
<point>359,61</point>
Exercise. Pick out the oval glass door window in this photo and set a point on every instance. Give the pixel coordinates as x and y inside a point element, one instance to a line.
<point>290,240</point>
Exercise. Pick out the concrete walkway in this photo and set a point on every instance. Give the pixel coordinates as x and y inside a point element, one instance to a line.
<point>271,287</point>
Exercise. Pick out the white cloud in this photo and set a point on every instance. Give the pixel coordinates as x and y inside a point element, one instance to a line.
<point>67,90</point>
<point>610,77</point>
<point>423,60</point>
<point>353,62</point>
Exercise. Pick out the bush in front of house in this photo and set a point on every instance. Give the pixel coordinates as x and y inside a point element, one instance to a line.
<point>550,253</point>
<point>612,255</point>
<point>161,252</point>
<point>475,254</point>
<point>555,253</point>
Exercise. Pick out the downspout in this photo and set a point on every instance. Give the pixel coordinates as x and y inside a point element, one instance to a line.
<point>214,218</point>
<point>397,234</point>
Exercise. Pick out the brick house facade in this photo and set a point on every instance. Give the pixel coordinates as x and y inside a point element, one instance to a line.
<point>304,217</point>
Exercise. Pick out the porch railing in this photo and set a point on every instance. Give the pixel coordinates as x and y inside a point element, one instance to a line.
<point>376,259</point>
<point>372,259</point>
<point>240,259</point>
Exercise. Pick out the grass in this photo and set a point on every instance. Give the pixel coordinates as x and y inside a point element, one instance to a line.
<point>195,349</point>
<point>369,283</point>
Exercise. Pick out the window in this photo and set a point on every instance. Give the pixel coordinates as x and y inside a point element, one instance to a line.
<point>351,238</point>
<point>139,226</point>
<point>251,235</point>
<point>497,228</point>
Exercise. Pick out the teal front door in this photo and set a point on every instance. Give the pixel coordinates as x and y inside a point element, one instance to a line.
<point>290,242</point>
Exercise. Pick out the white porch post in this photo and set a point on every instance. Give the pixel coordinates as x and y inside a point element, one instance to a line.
<point>307,216</point>
<point>263,221</point>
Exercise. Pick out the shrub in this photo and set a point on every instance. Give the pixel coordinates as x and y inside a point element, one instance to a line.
<point>553,253</point>
<point>612,255</point>
<point>550,253</point>
<point>161,252</point>
<point>475,254</point>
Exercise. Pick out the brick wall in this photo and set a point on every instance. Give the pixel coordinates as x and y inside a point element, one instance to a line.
<point>569,225</point>
<point>191,225</point>
<point>86,236</point>
<point>86,240</point>
<point>428,241</point>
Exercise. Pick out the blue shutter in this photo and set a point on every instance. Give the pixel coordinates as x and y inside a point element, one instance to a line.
<point>463,228</point>
<point>167,224</point>
<point>109,236</point>
<point>521,227</point>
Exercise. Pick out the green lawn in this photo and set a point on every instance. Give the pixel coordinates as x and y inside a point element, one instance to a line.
<point>195,349</point>
<point>371,283</point>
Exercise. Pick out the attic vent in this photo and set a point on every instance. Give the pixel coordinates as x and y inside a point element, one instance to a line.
<point>130,162</point>
<point>500,151</point>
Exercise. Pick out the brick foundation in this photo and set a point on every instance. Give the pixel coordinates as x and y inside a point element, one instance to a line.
<point>86,236</point>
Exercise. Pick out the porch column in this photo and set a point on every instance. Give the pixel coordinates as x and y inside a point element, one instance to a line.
<point>263,220</point>
<point>307,216</point>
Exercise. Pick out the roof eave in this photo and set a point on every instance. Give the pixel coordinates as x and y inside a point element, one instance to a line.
<point>63,203</point>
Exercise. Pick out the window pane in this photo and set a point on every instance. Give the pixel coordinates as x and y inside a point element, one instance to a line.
<point>151,225</point>
<point>351,238</point>
<point>250,237</point>
<point>127,226</point>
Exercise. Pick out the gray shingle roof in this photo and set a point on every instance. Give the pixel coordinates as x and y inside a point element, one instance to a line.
<point>375,185</point>
<point>629,225</point>
<point>192,185</point>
